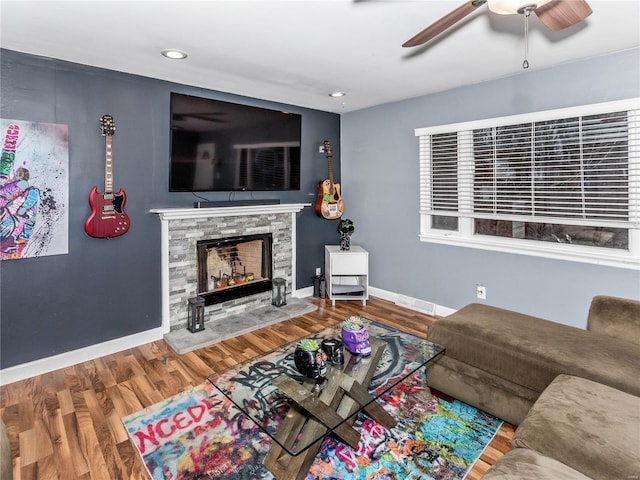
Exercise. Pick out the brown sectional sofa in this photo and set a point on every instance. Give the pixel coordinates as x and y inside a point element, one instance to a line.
<point>572,392</point>
<point>588,426</point>
<point>501,361</point>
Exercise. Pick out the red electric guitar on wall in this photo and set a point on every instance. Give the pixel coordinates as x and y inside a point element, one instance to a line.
<point>108,218</point>
<point>329,204</point>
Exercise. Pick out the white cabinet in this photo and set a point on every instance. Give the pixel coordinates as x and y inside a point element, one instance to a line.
<point>347,273</point>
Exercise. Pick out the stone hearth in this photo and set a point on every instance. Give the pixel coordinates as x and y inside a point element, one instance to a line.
<point>181,229</point>
<point>183,341</point>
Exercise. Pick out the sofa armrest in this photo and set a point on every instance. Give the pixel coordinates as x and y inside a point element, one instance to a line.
<point>616,317</point>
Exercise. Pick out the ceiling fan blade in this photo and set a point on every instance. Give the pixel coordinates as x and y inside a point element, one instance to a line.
<point>445,22</point>
<point>561,14</point>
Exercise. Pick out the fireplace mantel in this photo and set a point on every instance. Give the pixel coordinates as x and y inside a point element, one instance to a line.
<point>174,217</point>
<point>167,214</point>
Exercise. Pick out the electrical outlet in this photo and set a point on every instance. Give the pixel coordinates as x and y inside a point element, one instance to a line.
<point>481,291</point>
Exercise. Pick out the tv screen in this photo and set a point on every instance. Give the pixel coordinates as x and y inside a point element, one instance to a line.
<point>223,146</point>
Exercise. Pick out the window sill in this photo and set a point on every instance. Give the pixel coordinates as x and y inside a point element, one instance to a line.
<point>574,253</point>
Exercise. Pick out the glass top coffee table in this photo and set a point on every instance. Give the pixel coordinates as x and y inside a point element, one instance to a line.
<point>297,413</point>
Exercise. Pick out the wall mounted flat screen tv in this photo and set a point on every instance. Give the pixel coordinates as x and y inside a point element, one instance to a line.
<point>223,146</point>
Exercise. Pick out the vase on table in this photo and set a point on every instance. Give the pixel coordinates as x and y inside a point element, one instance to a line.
<point>355,336</point>
<point>345,229</point>
<point>310,359</point>
<point>333,348</point>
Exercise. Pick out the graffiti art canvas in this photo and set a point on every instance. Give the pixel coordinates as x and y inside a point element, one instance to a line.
<point>34,189</point>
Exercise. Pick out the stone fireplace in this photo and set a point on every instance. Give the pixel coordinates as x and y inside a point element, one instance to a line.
<point>234,267</point>
<point>185,232</point>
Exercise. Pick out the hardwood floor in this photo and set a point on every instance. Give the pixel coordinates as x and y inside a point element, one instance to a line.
<point>66,424</point>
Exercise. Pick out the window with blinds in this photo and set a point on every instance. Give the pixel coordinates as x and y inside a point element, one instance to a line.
<point>569,177</point>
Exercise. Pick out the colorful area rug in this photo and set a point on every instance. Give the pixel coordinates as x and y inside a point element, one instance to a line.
<point>199,434</point>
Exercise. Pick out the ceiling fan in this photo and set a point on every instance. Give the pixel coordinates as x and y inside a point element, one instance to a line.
<point>555,14</point>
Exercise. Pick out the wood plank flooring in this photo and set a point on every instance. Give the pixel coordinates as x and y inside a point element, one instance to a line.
<point>65,425</point>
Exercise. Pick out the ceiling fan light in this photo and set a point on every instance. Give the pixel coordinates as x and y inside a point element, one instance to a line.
<point>511,7</point>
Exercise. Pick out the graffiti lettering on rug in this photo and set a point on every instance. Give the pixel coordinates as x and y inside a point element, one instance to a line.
<point>200,435</point>
<point>197,418</point>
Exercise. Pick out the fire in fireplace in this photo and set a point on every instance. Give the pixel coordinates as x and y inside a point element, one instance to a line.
<point>234,267</point>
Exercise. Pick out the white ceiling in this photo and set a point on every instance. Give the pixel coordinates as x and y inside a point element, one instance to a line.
<point>297,51</point>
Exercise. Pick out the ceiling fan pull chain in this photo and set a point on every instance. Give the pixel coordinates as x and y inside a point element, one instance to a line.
<point>527,12</point>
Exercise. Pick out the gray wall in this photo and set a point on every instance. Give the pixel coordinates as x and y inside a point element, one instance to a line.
<point>106,289</point>
<point>380,189</point>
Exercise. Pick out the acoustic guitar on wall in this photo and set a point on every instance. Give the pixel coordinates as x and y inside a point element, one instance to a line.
<point>329,204</point>
<point>108,218</point>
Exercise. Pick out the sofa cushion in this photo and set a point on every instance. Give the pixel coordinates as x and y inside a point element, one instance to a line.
<point>531,352</point>
<point>591,427</point>
<point>616,317</point>
<point>523,464</point>
<point>492,394</point>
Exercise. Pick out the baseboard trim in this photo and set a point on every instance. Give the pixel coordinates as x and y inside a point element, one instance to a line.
<point>67,359</point>
<point>303,292</point>
<point>440,310</point>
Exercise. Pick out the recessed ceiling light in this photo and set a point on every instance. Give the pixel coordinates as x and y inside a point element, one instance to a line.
<point>337,94</point>
<point>174,54</point>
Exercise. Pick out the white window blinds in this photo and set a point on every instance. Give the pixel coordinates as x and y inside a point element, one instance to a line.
<point>578,169</point>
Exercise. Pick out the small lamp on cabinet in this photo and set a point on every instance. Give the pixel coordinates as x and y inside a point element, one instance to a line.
<point>195,315</point>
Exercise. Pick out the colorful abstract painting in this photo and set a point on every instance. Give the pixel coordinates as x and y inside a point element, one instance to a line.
<point>34,189</point>
<point>199,434</point>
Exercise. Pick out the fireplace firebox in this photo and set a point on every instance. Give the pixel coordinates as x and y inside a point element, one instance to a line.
<point>234,267</point>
